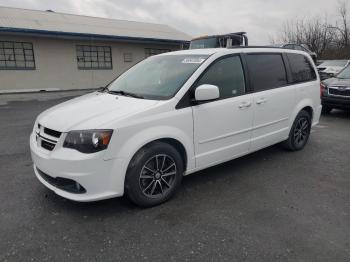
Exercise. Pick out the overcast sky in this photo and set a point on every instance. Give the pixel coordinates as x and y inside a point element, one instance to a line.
<point>260,18</point>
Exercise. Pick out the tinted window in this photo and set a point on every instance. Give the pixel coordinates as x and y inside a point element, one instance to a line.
<point>266,71</point>
<point>227,74</point>
<point>289,46</point>
<point>302,70</point>
<point>298,47</point>
<point>304,49</point>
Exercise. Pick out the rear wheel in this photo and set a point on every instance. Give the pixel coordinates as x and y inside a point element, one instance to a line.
<point>299,133</point>
<point>154,174</point>
<point>326,109</point>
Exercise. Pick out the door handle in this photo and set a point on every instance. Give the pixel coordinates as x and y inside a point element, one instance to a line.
<point>245,105</point>
<point>261,101</point>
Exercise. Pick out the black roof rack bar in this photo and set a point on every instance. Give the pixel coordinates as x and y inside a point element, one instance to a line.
<point>255,46</point>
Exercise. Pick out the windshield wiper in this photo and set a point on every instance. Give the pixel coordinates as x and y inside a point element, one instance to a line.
<point>124,93</point>
<point>102,89</point>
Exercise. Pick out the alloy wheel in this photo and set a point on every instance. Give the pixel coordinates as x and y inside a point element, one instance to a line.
<point>301,131</point>
<point>157,176</point>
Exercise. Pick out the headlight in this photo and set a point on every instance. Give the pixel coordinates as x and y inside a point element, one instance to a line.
<point>88,141</point>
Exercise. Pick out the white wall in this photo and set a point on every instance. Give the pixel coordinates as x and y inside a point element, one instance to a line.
<point>56,65</point>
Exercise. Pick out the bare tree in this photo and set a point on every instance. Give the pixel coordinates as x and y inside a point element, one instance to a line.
<point>344,26</point>
<point>315,33</point>
<point>326,39</point>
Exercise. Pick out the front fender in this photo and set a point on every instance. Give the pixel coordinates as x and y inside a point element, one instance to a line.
<point>140,139</point>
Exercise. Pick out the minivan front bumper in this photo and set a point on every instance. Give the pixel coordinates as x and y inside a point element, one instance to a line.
<point>77,176</point>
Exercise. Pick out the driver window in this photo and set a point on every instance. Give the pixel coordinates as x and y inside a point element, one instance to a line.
<point>227,74</point>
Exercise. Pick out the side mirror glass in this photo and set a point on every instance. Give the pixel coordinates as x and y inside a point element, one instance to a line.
<point>206,93</point>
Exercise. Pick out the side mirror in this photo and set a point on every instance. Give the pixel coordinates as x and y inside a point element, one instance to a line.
<point>206,93</point>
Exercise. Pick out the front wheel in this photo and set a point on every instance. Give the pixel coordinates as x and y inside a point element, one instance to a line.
<point>154,174</point>
<point>299,133</point>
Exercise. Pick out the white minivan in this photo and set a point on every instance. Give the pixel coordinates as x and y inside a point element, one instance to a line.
<point>171,115</point>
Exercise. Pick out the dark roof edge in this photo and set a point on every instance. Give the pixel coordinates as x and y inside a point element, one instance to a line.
<point>58,34</point>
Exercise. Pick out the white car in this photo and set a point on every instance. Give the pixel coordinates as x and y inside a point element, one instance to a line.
<point>330,68</point>
<point>171,115</point>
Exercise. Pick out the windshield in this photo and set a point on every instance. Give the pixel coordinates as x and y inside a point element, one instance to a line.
<point>204,43</point>
<point>345,74</point>
<point>341,63</point>
<point>157,77</point>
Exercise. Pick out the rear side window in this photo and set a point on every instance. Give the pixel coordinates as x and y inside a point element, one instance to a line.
<point>289,46</point>
<point>302,70</point>
<point>227,74</point>
<point>298,47</point>
<point>267,71</point>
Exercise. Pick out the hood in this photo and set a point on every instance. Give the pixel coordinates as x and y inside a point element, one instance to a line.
<point>92,111</point>
<point>330,69</point>
<point>337,82</point>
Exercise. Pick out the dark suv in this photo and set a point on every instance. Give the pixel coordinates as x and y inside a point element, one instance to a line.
<point>336,91</point>
<point>298,47</point>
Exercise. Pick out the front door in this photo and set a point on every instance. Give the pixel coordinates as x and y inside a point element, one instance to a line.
<point>222,128</point>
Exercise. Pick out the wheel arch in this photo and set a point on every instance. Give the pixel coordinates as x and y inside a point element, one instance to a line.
<point>176,137</point>
<point>306,105</point>
<point>174,143</point>
<point>310,110</point>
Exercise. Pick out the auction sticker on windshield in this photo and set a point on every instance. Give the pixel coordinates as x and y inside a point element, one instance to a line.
<point>193,60</point>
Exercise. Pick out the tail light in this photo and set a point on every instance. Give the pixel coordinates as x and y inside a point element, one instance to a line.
<point>322,88</point>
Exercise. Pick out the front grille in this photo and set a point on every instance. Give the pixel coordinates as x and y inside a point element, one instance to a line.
<point>51,132</point>
<point>65,184</point>
<point>47,138</point>
<point>339,91</point>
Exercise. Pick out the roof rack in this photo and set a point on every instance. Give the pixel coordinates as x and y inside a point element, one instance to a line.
<point>255,46</point>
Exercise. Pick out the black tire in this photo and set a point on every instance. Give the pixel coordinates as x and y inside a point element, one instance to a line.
<point>299,133</point>
<point>326,109</point>
<point>154,174</point>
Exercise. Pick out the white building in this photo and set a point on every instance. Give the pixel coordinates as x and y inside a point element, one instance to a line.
<point>45,50</point>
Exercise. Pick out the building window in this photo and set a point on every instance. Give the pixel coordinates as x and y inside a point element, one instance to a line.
<point>16,56</point>
<point>128,57</point>
<point>94,57</point>
<point>153,51</point>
